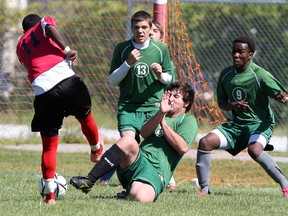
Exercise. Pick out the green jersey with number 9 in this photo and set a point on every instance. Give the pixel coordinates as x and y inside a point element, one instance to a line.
<point>255,85</point>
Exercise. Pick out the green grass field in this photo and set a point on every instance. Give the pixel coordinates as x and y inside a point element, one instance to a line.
<point>20,174</point>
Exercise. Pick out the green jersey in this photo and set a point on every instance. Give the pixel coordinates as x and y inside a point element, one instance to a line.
<point>159,152</point>
<point>141,89</point>
<point>255,85</point>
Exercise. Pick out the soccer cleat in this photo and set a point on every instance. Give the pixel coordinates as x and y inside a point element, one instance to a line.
<point>49,199</point>
<point>285,192</point>
<point>81,183</point>
<point>202,193</point>
<point>171,187</point>
<point>122,195</point>
<point>95,156</point>
<point>104,182</point>
<point>119,186</point>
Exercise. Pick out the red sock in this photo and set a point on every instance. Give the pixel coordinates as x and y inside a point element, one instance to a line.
<point>90,129</point>
<point>50,145</point>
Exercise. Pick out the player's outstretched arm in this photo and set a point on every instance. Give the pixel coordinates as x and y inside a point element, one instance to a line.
<point>55,35</point>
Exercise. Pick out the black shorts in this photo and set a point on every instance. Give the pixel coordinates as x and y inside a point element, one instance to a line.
<point>69,97</point>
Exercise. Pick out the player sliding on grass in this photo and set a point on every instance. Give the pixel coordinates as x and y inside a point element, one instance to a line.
<point>58,91</point>
<point>244,89</point>
<point>146,170</point>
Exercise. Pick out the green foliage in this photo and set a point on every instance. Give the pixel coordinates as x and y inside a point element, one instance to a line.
<point>212,28</point>
<point>93,28</point>
<point>20,174</point>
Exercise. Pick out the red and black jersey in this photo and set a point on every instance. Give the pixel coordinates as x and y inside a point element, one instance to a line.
<point>37,52</point>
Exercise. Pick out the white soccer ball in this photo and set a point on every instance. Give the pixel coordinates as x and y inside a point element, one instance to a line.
<point>60,186</point>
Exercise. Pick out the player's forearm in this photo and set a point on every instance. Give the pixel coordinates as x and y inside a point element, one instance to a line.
<point>174,139</point>
<point>119,74</point>
<point>55,35</point>
<point>150,126</point>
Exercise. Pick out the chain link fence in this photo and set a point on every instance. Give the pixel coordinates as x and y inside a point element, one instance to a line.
<point>211,27</point>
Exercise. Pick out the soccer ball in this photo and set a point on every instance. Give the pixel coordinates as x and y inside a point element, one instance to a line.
<point>60,186</point>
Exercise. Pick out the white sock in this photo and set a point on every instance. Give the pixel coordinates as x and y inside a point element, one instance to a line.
<point>172,181</point>
<point>95,147</point>
<point>50,186</point>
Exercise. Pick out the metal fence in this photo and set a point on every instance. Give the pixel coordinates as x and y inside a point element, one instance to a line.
<point>211,25</point>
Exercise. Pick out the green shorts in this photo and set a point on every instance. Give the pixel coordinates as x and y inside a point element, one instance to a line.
<point>133,121</point>
<point>238,135</point>
<point>141,170</point>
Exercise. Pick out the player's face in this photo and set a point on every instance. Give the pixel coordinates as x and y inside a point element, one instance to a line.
<point>141,31</point>
<point>176,99</point>
<point>155,33</point>
<point>241,56</point>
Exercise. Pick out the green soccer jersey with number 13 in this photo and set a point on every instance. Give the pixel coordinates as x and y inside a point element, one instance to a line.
<point>141,89</point>
<point>255,85</point>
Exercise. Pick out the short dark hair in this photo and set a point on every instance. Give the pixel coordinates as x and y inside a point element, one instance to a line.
<point>141,16</point>
<point>247,40</point>
<point>186,90</point>
<point>29,21</point>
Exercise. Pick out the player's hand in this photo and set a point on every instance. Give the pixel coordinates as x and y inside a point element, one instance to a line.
<point>72,55</point>
<point>239,106</point>
<point>282,97</point>
<point>166,105</point>
<point>133,57</point>
<point>157,68</point>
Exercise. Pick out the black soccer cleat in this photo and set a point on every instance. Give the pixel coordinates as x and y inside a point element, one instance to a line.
<point>81,183</point>
<point>122,195</point>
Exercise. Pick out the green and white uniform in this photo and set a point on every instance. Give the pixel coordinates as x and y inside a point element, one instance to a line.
<point>157,160</point>
<point>141,89</point>
<point>255,85</point>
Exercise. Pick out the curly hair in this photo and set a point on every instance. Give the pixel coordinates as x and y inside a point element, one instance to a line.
<point>186,89</point>
<point>29,21</point>
<point>247,40</point>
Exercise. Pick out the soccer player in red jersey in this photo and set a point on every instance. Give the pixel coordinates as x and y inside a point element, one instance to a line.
<point>58,91</point>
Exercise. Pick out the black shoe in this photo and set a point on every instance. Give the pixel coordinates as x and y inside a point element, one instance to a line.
<point>81,183</point>
<point>122,195</point>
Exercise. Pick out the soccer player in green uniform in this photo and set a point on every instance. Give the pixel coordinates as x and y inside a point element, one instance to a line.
<point>244,89</point>
<point>146,170</point>
<point>141,67</point>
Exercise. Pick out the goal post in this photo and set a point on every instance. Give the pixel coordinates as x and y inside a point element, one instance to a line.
<point>160,15</point>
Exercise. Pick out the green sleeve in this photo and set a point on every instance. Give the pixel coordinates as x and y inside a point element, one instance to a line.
<point>221,92</point>
<point>116,60</point>
<point>270,85</point>
<point>188,129</point>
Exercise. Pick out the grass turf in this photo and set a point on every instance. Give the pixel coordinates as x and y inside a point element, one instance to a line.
<point>20,174</point>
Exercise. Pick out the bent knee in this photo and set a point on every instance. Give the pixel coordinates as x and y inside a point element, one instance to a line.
<point>254,150</point>
<point>209,142</point>
<point>141,192</point>
<point>141,197</point>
